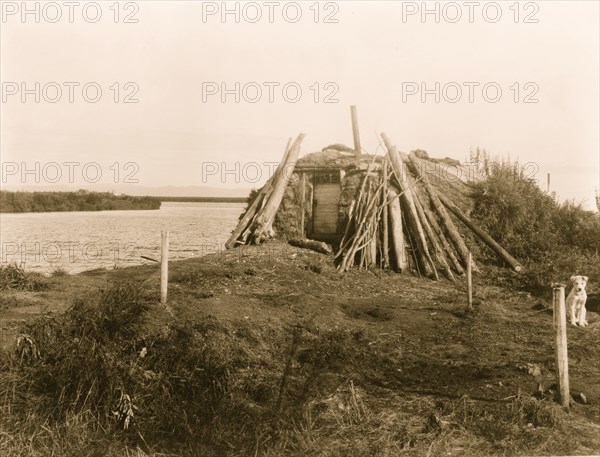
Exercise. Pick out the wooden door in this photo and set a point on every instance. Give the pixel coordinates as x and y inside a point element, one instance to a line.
<point>325,215</point>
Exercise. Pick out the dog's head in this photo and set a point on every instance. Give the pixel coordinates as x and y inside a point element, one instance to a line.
<point>579,282</point>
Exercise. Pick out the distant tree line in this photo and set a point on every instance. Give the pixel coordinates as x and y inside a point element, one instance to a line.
<point>32,202</point>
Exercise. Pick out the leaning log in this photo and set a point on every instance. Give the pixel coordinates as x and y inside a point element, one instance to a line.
<point>438,252</point>
<point>255,207</point>
<point>396,233</point>
<point>385,256</point>
<point>453,232</point>
<point>482,234</point>
<point>262,230</point>
<point>422,252</point>
<point>313,245</point>
<point>281,168</point>
<point>428,232</point>
<point>247,217</point>
<point>441,237</point>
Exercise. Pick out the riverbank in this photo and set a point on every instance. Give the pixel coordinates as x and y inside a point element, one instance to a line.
<point>269,351</point>
<point>36,202</point>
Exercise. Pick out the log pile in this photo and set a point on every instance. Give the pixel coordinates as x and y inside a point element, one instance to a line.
<point>399,220</point>
<point>359,242</point>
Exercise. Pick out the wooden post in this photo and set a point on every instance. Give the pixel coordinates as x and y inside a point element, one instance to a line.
<point>164,265</point>
<point>469,283</point>
<point>548,184</point>
<point>560,341</point>
<point>302,203</point>
<point>385,258</point>
<point>355,133</point>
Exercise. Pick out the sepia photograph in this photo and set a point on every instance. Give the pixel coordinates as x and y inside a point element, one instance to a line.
<point>299,228</point>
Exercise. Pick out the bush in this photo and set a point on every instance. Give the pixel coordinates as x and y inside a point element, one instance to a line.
<point>554,240</point>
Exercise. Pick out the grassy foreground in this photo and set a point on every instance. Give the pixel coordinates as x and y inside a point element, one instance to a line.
<point>268,351</point>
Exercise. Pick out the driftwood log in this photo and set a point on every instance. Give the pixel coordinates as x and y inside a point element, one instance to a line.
<point>264,222</point>
<point>313,245</point>
<point>249,216</point>
<point>256,223</point>
<point>425,262</point>
<point>451,229</point>
<point>441,237</point>
<point>488,240</point>
<point>396,232</point>
<point>438,251</point>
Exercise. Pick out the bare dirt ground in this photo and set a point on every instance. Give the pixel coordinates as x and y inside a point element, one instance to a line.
<point>418,358</point>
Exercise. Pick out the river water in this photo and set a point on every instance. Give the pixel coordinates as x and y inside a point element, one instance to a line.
<point>79,241</point>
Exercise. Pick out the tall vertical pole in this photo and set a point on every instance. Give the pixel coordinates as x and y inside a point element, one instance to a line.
<point>356,135</point>
<point>560,340</point>
<point>385,258</point>
<point>164,265</point>
<point>548,184</point>
<point>302,205</point>
<point>469,282</point>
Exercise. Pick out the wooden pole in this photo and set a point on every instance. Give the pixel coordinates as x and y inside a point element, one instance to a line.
<point>373,243</point>
<point>436,245</point>
<point>469,282</point>
<point>355,132</point>
<point>397,232</point>
<point>440,235</point>
<point>413,222</point>
<point>428,232</point>
<point>280,169</point>
<point>164,265</point>
<point>503,253</point>
<point>560,340</point>
<point>256,205</point>
<point>548,184</point>
<point>385,258</point>
<point>453,233</point>
<point>302,203</point>
<point>263,229</point>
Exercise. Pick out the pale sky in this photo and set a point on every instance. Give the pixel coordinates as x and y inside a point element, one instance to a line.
<point>375,56</point>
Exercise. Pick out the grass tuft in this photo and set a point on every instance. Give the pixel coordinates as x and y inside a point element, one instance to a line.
<point>13,276</point>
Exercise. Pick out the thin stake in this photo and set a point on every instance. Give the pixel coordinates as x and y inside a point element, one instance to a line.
<point>469,282</point>
<point>164,265</point>
<point>560,340</point>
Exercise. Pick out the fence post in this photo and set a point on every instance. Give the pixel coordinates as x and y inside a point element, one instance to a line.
<point>469,282</point>
<point>164,265</point>
<point>560,340</point>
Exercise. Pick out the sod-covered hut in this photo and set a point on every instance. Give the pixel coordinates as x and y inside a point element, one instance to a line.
<point>397,211</point>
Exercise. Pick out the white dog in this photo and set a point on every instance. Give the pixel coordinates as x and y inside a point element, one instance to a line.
<point>576,300</point>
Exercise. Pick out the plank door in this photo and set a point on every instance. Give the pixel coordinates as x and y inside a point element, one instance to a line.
<point>325,215</point>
